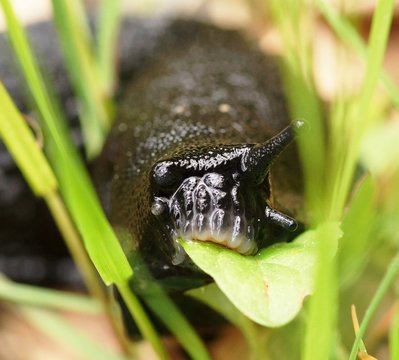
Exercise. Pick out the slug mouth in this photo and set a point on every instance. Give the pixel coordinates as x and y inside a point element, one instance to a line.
<point>209,208</point>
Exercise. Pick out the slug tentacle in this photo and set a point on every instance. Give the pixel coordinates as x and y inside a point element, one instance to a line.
<point>261,156</point>
<point>280,219</point>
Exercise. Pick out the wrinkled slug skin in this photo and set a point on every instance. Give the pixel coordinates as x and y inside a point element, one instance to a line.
<point>205,86</point>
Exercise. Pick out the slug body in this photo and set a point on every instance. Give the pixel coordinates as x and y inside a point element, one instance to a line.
<point>191,151</point>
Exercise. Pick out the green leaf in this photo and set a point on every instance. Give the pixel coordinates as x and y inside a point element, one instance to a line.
<point>269,287</point>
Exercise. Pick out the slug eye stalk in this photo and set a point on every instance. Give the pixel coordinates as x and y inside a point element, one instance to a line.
<point>258,162</point>
<point>261,156</point>
<point>280,219</point>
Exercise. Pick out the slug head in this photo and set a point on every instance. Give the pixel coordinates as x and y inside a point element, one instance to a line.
<point>219,193</point>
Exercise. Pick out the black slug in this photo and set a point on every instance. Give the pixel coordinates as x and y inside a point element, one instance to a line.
<point>190,154</point>
<point>194,152</point>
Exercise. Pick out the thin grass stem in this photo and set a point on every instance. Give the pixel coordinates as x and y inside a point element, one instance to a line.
<point>389,277</point>
<point>144,324</point>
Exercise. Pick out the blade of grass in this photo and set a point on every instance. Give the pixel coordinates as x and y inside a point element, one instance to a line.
<point>357,119</point>
<point>107,31</point>
<point>83,205</point>
<point>319,336</point>
<point>33,164</point>
<point>295,28</point>
<point>33,77</point>
<point>389,277</point>
<point>346,137</point>
<point>70,336</point>
<point>355,323</point>
<point>177,324</point>
<point>43,297</point>
<point>154,296</point>
<point>216,300</point>
<point>304,103</point>
<point>356,244</point>
<point>144,324</point>
<point>394,335</point>
<point>307,106</point>
<point>356,128</point>
<point>21,144</point>
<point>83,70</point>
<point>75,185</point>
<point>348,34</point>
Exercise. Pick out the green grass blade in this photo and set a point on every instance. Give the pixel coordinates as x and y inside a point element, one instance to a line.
<point>75,185</point>
<point>70,336</point>
<point>355,127</point>
<point>307,106</point>
<point>43,297</point>
<point>33,164</point>
<point>381,25</point>
<point>22,146</point>
<point>304,103</point>
<point>177,324</point>
<point>107,30</point>
<point>356,244</point>
<point>323,303</point>
<point>35,80</point>
<point>154,296</point>
<point>295,28</point>
<point>389,278</point>
<point>350,36</point>
<point>347,136</point>
<point>144,324</point>
<point>394,335</point>
<point>216,300</point>
<point>83,71</point>
<point>20,142</point>
<point>347,131</point>
<point>100,241</point>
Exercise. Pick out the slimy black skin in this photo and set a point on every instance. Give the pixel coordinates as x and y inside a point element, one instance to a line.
<point>195,151</point>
